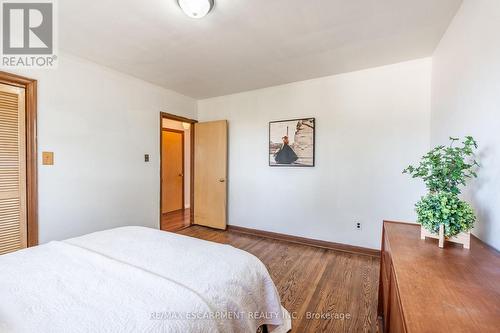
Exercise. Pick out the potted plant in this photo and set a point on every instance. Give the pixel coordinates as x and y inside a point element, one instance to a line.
<point>441,213</point>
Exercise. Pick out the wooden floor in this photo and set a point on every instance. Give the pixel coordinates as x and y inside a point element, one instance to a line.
<point>311,280</point>
<point>175,221</point>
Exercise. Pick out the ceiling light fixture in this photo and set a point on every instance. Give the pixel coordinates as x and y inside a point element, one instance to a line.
<point>196,8</point>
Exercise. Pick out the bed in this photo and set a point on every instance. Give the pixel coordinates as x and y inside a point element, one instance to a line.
<point>136,279</point>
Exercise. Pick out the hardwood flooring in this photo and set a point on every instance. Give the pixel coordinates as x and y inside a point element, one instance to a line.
<point>324,290</point>
<point>175,221</point>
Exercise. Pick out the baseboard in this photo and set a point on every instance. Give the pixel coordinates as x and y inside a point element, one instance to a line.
<point>307,241</point>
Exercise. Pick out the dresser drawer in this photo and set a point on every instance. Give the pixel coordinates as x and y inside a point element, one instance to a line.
<point>396,321</point>
<point>386,257</point>
<point>386,287</point>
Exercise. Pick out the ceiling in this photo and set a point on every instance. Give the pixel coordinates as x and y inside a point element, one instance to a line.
<point>249,44</point>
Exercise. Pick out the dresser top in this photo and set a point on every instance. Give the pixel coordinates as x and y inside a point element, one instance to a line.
<point>444,290</point>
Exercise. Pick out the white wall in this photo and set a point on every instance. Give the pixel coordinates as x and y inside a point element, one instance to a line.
<point>177,125</point>
<point>99,123</point>
<point>370,125</point>
<point>466,101</point>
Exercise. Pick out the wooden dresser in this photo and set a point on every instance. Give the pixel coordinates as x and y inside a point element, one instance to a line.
<point>427,289</point>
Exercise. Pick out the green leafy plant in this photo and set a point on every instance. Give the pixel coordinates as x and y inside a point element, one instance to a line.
<point>445,208</point>
<point>444,170</point>
<point>447,168</point>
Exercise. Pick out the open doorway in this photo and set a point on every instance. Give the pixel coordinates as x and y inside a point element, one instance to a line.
<point>176,156</point>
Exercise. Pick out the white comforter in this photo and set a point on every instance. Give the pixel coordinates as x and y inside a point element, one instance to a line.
<point>137,279</point>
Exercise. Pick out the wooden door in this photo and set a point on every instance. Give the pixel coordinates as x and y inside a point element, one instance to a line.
<point>172,170</point>
<point>13,229</point>
<point>210,173</point>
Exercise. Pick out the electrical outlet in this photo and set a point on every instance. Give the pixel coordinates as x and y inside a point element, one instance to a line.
<point>358,225</point>
<point>146,157</point>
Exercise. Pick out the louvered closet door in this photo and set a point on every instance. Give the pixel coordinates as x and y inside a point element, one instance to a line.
<point>13,235</point>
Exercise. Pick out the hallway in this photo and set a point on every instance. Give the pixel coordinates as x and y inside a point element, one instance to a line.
<point>175,221</point>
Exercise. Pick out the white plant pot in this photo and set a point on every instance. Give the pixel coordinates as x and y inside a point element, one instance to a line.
<point>462,238</point>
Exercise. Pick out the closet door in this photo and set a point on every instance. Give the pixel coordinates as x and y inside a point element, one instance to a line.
<point>13,229</point>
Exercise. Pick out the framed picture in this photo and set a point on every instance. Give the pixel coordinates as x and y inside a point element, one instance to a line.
<point>291,142</point>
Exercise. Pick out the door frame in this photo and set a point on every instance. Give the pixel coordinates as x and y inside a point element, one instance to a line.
<point>183,165</point>
<point>30,88</point>
<point>165,115</point>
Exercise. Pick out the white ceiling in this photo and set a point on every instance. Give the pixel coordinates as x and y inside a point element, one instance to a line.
<point>248,44</point>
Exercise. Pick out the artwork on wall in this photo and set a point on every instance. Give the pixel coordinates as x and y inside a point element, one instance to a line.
<point>291,142</point>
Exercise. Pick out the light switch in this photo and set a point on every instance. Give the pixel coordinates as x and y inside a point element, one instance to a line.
<point>47,158</point>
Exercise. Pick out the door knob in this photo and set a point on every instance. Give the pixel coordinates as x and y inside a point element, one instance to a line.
<point>181,175</point>
<point>222,180</point>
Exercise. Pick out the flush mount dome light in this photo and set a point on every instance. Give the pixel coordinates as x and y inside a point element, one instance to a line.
<point>196,8</point>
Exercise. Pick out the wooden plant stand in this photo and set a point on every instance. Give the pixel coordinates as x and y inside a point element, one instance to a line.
<point>462,238</point>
